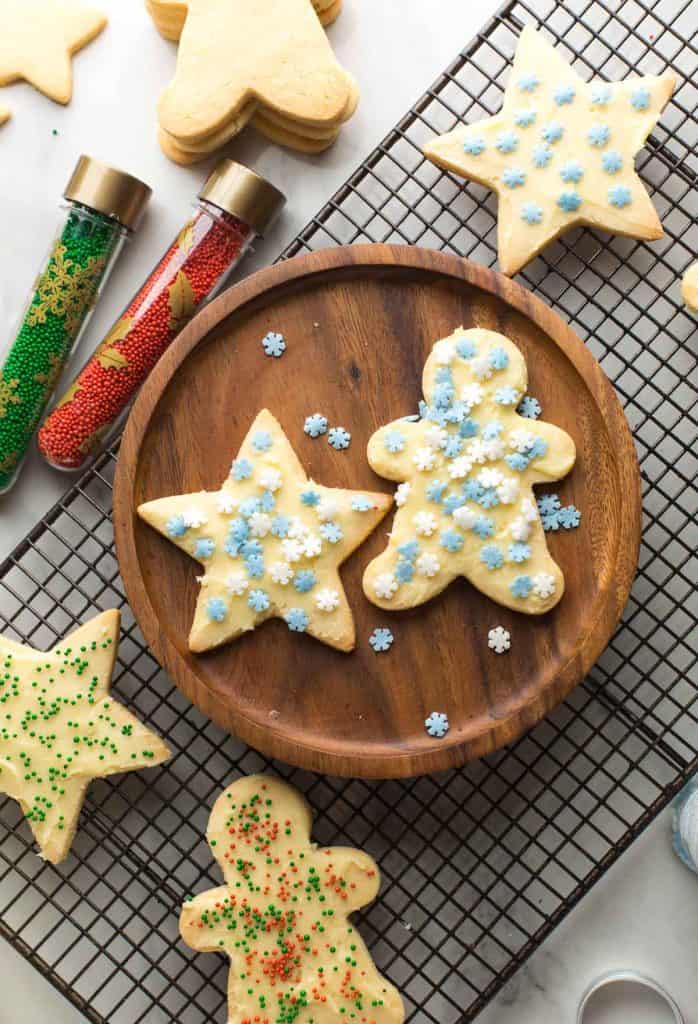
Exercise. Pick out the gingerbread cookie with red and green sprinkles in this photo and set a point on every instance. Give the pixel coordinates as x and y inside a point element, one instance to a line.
<point>283,915</point>
<point>60,729</point>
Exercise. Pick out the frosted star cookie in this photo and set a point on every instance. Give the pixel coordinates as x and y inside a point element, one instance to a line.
<point>466,470</point>
<point>38,39</point>
<point>689,288</point>
<point>61,729</point>
<point>271,542</point>
<point>561,152</point>
<point>283,914</point>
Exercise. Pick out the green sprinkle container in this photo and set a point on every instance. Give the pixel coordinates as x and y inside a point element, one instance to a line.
<point>103,207</point>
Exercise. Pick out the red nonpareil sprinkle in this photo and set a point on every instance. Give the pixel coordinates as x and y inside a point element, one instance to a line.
<point>194,265</point>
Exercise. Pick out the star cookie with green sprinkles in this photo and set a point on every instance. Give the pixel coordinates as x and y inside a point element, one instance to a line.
<point>560,152</point>
<point>59,729</point>
<point>283,915</point>
<point>271,542</point>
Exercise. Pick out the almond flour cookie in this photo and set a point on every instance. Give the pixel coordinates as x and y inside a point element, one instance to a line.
<point>38,38</point>
<point>466,471</point>
<point>61,729</point>
<point>271,542</point>
<point>283,914</point>
<point>561,152</point>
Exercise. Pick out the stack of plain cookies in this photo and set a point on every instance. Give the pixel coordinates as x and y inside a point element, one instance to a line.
<point>262,62</point>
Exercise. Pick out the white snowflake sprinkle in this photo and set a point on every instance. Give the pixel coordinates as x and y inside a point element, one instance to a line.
<point>402,494</point>
<point>424,459</point>
<point>472,394</point>
<point>499,639</point>
<point>460,467</point>
<point>270,479</point>
<point>465,517</point>
<point>326,509</point>
<point>281,572</point>
<point>521,440</point>
<point>427,564</point>
<point>327,600</point>
<point>494,449</point>
<point>292,549</point>
<point>236,584</point>
<point>520,529</point>
<point>297,528</point>
<point>312,545</point>
<point>443,352</point>
<point>490,477</point>
<point>543,585</point>
<point>424,523</point>
<point>260,524</point>
<point>436,437</point>
<point>481,367</point>
<point>225,504</point>
<point>385,586</point>
<point>477,451</point>
<point>194,517</point>
<point>529,510</point>
<point>508,490</point>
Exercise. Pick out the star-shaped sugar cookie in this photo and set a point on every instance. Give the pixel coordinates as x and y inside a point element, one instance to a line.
<point>466,469</point>
<point>271,542</point>
<point>560,152</point>
<point>59,729</point>
<point>283,915</point>
<point>38,39</point>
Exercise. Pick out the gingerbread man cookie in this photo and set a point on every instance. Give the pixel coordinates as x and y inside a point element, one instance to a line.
<point>61,729</point>
<point>271,542</point>
<point>561,152</point>
<point>283,915</point>
<point>466,470</point>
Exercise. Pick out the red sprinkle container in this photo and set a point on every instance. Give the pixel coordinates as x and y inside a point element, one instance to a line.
<point>234,206</point>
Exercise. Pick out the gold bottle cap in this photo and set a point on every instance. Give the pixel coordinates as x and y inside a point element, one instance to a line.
<point>108,191</point>
<point>239,191</point>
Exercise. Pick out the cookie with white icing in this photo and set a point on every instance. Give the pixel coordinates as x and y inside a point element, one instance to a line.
<point>61,729</point>
<point>283,914</point>
<point>466,470</point>
<point>271,542</point>
<point>560,152</point>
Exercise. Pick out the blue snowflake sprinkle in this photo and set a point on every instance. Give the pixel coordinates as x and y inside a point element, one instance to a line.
<point>457,413</point>
<point>524,117</point>
<point>262,441</point>
<point>315,425</point>
<point>529,83</point>
<point>409,549</point>
<point>248,507</point>
<point>506,142</point>
<point>452,502</point>
<point>468,428</point>
<point>273,344</point>
<point>571,172</point>
<point>444,375</point>
<point>498,358</point>
<point>437,724</point>
<point>506,395</point>
<point>394,441</point>
<point>381,639</point>
<point>466,348</point>
<point>443,395</point>
<point>550,522</point>
<point>331,532</point>
<point>492,556</point>
<point>241,469</point>
<point>435,490</point>
<point>304,580</point>
<point>619,196</point>
<point>310,498</point>
<point>204,547</point>
<point>484,527</point>
<point>529,407</point>
<point>296,620</point>
<point>254,567</point>
<point>514,177</point>
<point>518,552</point>
<point>176,527</point>
<point>267,501</point>
<point>548,503</point>
<point>569,517</point>
<point>280,526</point>
<point>360,503</point>
<point>612,162</point>
<point>489,498</point>
<point>569,201</point>
<point>601,95</point>
<point>598,135</point>
<point>532,213</point>
<point>258,601</point>
<point>552,132</point>
<point>492,430</point>
<point>472,490</point>
<point>251,547</point>
<point>640,98</point>
<point>542,155</point>
<point>216,609</point>
<point>517,461</point>
<point>474,146</point>
<point>521,586</point>
<point>404,572</point>
<point>564,94</point>
<point>339,438</point>
<point>238,530</point>
<point>451,540</point>
<point>453,447</point>
<point>538,449</point>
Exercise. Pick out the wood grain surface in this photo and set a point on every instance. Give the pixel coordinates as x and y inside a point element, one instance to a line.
<point>359,322</point>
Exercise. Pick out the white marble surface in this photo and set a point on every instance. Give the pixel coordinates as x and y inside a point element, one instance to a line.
<point>644,914</point>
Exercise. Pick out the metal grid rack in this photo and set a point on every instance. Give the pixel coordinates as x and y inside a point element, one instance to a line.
<point>478,865</point>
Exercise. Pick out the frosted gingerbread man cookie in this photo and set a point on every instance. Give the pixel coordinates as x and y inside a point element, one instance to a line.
<point>271,542</point>
<point>61,729</point>
<point>283,914</point>
<point>466,470</point>
<point>561,152</point>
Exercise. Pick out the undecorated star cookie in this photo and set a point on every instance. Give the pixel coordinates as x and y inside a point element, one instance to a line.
<point>61,729</point>
<point>283,915</point>
<point>466,470</point>
<point>561,152</point>
<point>271,542</point>
<point>38,39</point>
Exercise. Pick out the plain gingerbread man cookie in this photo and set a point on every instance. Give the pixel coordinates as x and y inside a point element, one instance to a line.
<point>283,914</point>
<point>466,471</point>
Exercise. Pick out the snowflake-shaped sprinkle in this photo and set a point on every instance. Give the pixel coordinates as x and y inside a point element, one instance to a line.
<point>506,395</point>
<point>428,565</point>
<point>297,620</point>
<point>176,526</point>
<point>402,493</point>
<point>404,571</point>
<point>394,441</point>
<point>598,135</point>
<point>292,549</point>
<point>424,459</point>
<point>521,586</point>
<point>569,517</point>
<point>508,491</point>
<point>204,547</point>
<point>437,724</point>
<point>451,540</point>
<point>281,572</point>
<point>241,469</point>
<point>492,556</point>
<point>331,532</point>
<point>262,441</point>
<point>564,94</point>
<point>339,438</point>
<point>216,609</point>
<point>260,524</point>
<point>315,425</point>
<point>385,586</point>
<point>381,639</point>
<point>273,344</point>
<point>529,407</point>
<point>520,529</point>
<point>194,517</point>
<point>499,639</point>
<point>548,503</point>
<point>258,601</point>
<point>518,552</point>
<point>327,600</point>
<point>424,523</point>
<point>465,517</point>
<point>304,580</point>
<point>543,585</point>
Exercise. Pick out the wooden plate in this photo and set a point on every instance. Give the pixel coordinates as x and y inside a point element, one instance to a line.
<point>359,323</point>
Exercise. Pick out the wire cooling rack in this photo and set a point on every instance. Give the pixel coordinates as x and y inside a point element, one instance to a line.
<point>478,865</point>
